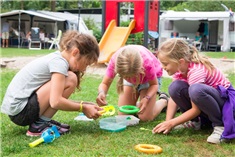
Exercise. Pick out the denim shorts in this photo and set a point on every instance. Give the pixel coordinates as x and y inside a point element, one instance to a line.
<point>29,114</point>
<point>144,86</point>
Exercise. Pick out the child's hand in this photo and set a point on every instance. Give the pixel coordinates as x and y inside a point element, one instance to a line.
<point>101,99</point>
<point>164,127</point>
<point>142,105</point>
<point>92,111</point>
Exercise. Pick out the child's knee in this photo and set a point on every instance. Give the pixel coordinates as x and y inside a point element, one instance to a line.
<point>71,80</point>
<point>196,91</point>
<point>145,118</point>
<point>176,86</point>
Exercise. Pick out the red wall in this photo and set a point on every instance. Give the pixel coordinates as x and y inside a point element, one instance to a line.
<point>153,15</point>
<point>139,11</point>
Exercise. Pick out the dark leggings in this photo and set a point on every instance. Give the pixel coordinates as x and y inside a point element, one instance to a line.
<point>205,97</point>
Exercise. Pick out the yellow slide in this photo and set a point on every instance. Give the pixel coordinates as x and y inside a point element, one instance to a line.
<point>113,38</point>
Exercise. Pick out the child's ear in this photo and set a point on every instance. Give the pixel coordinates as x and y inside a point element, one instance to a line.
<point>75,52</point>
<point>181,61</point>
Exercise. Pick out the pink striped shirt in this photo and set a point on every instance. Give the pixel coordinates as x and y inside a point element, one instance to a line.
<point>197,73</point>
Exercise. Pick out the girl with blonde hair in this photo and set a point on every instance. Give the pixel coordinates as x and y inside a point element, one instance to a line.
<point>43,87</point>
<point>139,74</point>
<point>199,89</point>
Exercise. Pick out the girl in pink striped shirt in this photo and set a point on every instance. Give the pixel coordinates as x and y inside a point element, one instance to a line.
<point>199,89</point>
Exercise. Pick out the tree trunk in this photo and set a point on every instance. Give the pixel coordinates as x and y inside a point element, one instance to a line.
<point>22,4</point>
<point>53,5</point>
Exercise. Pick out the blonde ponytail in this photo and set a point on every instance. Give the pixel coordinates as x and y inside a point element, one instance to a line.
<point>176,48</point>
<point>196,58</point>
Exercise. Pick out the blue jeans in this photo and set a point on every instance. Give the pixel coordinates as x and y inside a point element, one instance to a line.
<point>205,97</point>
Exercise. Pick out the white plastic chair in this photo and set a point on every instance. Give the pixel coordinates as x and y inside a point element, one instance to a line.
<point>55,41</point>
<point>198,45</point>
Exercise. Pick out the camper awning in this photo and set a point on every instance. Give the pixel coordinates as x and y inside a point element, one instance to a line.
<point>43,14</point>
<point>210,16</point>
<point>57,18</point>
<point>224,17</point>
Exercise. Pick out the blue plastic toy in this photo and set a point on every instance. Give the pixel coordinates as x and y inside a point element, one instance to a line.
<point>47,136</point>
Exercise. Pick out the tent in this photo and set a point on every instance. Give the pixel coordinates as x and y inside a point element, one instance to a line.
<point>49,22</point>
<point>221,31</point>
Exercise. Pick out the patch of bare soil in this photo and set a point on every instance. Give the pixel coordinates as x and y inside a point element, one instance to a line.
<point>20,62</point>
<point>225,65</point>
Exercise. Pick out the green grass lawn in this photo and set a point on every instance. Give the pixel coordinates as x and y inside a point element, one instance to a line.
<point>228,55</point>
<point>15,52</point>
<point>88,140</point>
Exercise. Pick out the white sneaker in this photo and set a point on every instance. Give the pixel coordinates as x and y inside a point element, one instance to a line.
<point>215,137</point>
<point>189,124</point>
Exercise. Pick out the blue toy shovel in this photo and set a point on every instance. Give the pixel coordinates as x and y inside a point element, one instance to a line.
<point>47,136</point>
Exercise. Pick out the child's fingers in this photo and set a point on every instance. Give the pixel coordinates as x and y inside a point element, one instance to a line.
<point>102,111</point>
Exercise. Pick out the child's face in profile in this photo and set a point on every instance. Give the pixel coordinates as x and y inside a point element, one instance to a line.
<point>168,65</point>
<point>78,62</point>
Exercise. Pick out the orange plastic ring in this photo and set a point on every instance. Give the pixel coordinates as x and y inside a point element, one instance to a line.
<point>148,148</point>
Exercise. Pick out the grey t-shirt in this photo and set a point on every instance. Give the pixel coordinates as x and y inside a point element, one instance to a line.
<point>29,79</point>
<point>5,27</point>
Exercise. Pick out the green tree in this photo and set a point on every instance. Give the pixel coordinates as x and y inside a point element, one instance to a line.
<point>165,5</point>
<point>52,5</point>
<point>209,5</point>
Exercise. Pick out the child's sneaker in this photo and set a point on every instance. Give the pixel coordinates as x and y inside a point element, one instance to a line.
<point>35,130</point>
<point>53,122</point>
<point>215,137</point>
<point>189,124</point>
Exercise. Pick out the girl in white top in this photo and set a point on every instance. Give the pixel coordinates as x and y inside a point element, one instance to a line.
<point>43,86</point>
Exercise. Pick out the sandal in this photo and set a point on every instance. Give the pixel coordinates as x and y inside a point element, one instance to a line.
<point>163,95</point>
